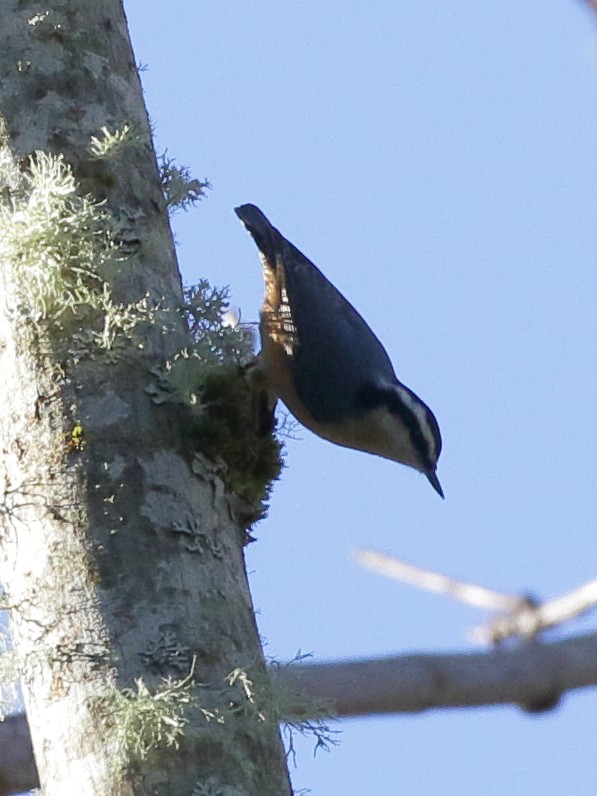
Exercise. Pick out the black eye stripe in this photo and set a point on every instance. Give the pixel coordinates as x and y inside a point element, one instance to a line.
<point>410,420</point>
<point>372,397</point>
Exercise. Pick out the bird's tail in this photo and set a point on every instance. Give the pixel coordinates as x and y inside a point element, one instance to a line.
<point>267,237</point>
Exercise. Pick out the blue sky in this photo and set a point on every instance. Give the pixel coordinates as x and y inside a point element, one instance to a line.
<point>438,162</point>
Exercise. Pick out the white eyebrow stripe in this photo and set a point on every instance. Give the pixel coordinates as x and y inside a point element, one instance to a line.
<point>418,410</point>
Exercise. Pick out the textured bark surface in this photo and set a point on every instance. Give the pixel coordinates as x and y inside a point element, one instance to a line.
<point>102,585</point>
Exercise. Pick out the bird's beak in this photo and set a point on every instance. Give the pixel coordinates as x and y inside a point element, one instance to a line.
<point>434,481</point>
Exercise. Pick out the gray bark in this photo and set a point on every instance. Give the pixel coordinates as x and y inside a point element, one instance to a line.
<point>101,589</point>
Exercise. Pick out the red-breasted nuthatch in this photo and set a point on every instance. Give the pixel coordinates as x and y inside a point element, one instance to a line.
<point>322,360</point>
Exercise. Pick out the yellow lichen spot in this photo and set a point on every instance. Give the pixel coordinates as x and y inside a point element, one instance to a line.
<point>75,438</point>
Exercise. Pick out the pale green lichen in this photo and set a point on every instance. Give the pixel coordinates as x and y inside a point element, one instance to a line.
<point>299,714</point>
<point>266,697</point>
<point>180,189</point>
<point>63,245</point>
<point>58,240</point>
<point>177,380</point>
<point>214,345</point>
<point>229,416</point>
<point>118,326</point>
<point>250,703</point>
<point>48,24</point>
<point>138,721</point>
<point>111,145</point>
<point>217,339</point>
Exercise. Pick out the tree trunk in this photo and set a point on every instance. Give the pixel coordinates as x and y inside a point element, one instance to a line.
<point>100,501</point>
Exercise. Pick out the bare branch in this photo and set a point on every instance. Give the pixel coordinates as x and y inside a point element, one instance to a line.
<point>532,676</point>
<point>532,619</point>
<point>519,615</point>
<point>469,593</point>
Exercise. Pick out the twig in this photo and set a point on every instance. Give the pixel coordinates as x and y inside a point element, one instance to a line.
<point>521,616</point>
<point>469,593</point>
<point>533,619</point>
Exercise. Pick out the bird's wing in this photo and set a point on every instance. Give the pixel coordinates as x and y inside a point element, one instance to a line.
<point>337,363</point>
<point>337,357</point>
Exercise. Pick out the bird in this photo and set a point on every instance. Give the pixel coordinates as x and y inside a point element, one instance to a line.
<point>321,359</point>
